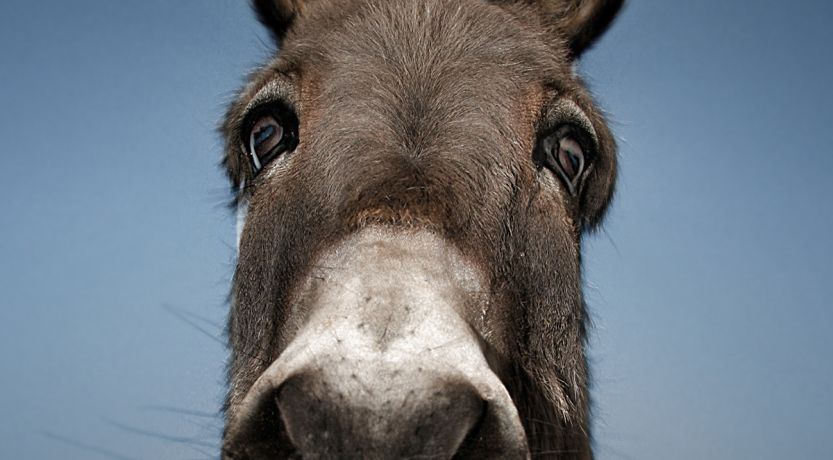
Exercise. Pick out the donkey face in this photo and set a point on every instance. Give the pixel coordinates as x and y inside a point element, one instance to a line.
<point>414,178</point>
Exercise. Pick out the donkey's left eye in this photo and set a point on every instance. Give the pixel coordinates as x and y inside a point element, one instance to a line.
<point>268,134</point>
<point>564,153</point>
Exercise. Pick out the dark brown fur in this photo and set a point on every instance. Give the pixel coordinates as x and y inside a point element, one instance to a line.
<point>426,113</point>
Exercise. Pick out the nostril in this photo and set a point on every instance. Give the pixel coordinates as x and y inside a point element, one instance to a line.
<point>444,421</point>
<point>307,412</point>
<point>260,433</point>
<point>383,417</point>
<point>494,436</point>
<point>473,438</point>
<point>388,413</point>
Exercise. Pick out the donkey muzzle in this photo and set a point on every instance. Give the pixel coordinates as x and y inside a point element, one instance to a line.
<point>384,363</point>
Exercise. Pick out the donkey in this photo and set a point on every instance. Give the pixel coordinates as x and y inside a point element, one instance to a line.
<point>413,179</point>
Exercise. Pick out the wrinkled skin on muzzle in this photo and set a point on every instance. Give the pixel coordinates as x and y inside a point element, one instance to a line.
<point>408,281</point>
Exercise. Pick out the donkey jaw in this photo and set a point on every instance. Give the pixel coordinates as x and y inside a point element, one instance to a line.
<point>385,362</point>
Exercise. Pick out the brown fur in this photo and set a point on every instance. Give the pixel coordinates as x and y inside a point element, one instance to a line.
<point>426,113</point>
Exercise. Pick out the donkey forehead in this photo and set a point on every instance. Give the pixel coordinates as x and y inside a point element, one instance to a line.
<point>445,52</point>
<point>421,35</point>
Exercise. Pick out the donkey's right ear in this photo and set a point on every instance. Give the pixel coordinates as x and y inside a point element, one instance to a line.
<point>277,15</point>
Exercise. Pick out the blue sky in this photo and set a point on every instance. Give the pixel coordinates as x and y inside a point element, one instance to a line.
<point>710,287</point>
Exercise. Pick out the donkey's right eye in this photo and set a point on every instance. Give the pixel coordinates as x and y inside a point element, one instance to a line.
<point>268,134</point>
<point>265,136</point>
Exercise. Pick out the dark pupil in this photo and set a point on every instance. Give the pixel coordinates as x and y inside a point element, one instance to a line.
<point>264,134</point>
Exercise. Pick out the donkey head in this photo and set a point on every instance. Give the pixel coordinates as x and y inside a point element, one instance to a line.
<point>414,178</point>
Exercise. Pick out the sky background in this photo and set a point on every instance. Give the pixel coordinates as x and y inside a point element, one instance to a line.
<point>711,287</point>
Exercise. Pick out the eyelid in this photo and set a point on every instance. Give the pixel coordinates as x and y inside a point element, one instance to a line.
<point>276,90</point>
<point>566,111</point>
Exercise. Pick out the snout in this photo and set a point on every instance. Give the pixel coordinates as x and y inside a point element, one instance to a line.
<point>386,363</point>
<point>383,414</point>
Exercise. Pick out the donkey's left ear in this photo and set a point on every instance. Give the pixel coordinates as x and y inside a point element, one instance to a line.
<point>580,22</point>
<point>277,15</point>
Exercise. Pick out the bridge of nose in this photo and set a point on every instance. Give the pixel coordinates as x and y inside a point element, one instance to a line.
<point>382,293</point>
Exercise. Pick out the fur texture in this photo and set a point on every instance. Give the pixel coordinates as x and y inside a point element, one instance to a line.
<point>425,113</point>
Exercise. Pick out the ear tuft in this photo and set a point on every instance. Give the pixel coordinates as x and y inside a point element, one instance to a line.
<point>276,15</point>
